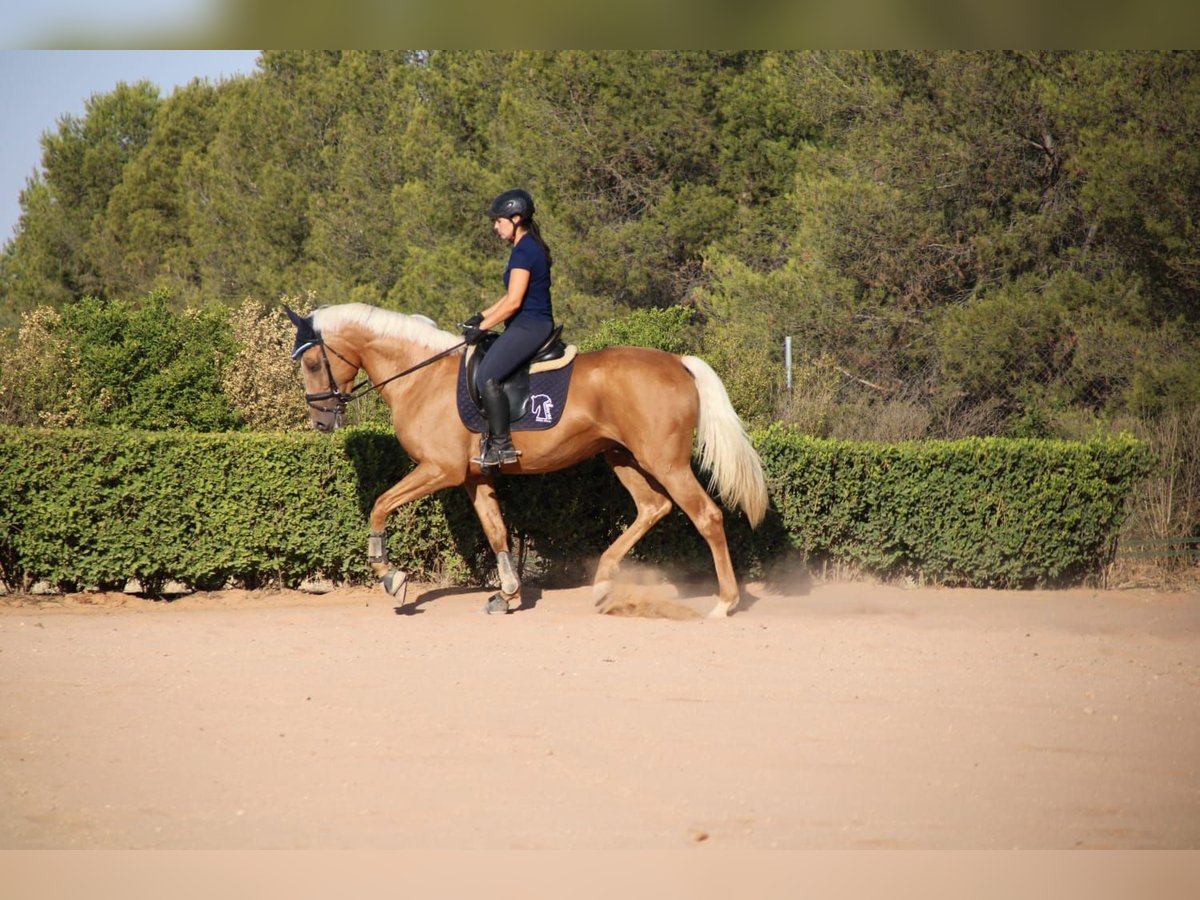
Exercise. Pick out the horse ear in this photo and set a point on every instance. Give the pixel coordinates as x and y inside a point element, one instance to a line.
<point>306,334</point>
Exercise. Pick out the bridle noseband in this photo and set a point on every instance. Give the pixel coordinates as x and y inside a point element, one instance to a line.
<point>342,398</point>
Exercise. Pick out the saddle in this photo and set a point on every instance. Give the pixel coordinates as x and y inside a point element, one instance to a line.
<point>536,391</point>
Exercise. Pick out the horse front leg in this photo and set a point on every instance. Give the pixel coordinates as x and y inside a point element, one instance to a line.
<point>424,479</point>
<point>487,508</point>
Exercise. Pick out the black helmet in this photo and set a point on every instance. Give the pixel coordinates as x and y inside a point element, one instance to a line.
<point>512,203</point>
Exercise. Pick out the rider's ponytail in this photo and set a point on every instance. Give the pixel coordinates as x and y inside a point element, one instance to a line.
<point>537,236</point>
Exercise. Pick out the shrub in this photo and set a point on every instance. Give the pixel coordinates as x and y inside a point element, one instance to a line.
<point>110,364</point>
<point>983,511</point>
<point>36,383</point>
<point>98,507</point>
<point>667,329</point>
<point>260,378</point>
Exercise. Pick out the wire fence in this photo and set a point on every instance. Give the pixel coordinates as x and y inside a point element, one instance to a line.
<point>1160,548</point>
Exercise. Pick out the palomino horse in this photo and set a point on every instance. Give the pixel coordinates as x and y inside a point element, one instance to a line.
<point>638,407</point>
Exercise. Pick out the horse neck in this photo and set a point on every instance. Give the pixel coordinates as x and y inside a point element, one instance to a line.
<point>382,357</point>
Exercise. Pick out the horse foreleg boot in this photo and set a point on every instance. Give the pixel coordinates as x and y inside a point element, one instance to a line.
<point>500,602</point>
<point>377,553</point>
<point>510,584</point>
<point>393,580</point>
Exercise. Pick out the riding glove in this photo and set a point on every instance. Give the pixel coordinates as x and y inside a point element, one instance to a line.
<point>473,335</point>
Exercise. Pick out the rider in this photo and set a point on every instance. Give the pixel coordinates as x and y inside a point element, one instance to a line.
<point>524,309</point>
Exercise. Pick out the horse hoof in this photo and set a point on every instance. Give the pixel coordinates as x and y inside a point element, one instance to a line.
<point>721,610</point>
<point>496,605</point>
<point>395,583</point>
<point>600,592</point>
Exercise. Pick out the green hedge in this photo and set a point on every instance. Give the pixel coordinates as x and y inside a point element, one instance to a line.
<point>94,508</point>
<point>981,511</point>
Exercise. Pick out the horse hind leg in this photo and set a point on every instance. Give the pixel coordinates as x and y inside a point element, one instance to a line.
<point>652,504</point>
<point>710,522</point>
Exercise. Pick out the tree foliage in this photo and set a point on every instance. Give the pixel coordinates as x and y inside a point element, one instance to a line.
<point>986,239</point>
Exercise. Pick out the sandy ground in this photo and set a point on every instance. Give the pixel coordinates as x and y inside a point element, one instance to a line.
<point>819,716</point>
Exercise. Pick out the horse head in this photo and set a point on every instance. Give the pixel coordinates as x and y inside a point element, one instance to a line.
<point>328,383</point>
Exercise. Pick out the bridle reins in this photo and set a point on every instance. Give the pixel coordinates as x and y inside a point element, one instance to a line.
<point>364,387</point>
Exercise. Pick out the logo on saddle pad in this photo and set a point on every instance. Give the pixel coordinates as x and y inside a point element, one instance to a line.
<point>542,407</point>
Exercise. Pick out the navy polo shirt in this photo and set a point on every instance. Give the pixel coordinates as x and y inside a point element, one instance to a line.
<point>528,254</point>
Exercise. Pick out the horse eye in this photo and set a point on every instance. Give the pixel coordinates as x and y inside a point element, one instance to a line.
<point>312,365</point>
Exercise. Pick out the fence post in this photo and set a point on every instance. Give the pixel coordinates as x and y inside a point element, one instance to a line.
<point>787,360</point>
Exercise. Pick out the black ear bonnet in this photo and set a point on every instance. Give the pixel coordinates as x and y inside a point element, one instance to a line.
<point>306,335</point>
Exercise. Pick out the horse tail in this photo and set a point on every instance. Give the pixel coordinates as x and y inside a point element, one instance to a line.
<point>725,451</point>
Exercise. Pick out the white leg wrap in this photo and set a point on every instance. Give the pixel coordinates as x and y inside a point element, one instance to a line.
<point>509,582</point>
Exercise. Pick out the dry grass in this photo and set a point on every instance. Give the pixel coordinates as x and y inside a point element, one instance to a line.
<point>1167,504</point>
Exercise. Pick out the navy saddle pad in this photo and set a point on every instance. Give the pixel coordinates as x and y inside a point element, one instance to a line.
<point>542,409</point>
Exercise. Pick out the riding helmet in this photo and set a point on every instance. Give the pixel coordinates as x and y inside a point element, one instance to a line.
<point>516,202</point>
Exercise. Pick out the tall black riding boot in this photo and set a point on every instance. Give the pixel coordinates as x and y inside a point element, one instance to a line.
<point>500,449</point>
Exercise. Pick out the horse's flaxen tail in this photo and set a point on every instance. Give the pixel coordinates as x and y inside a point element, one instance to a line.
<point>725,451</point>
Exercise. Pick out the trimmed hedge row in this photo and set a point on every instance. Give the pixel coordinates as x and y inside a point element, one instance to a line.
<point>94,508</point>
<point>988,512</point>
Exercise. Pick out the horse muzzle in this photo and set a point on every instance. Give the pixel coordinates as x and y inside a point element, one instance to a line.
<point>325,418</point>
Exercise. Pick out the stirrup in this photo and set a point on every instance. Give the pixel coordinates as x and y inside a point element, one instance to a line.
<point>492,456</point>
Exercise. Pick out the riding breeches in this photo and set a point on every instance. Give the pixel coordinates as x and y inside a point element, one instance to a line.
<point>519,341</point>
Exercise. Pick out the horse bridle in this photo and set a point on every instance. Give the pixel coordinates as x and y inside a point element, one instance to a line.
<point>364,387</point>
<point>334,393</point>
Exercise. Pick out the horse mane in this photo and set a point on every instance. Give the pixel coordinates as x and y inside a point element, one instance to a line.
<point>329,320</point>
